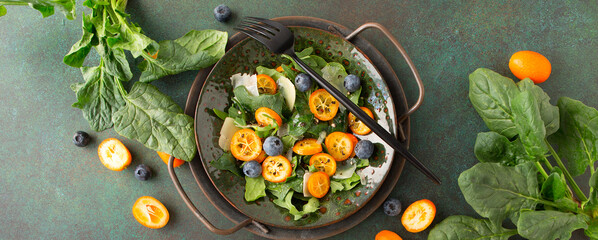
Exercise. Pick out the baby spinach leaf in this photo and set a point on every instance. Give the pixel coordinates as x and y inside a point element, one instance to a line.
<point>99,97</point>
<point>548,112</point>
<point>548,224</point>
<point>335,73</point>
<point>529,124</point>
<point>80,49</point>
<point>155,120</point>
<point>577,139</point>
<point>554,187</point>
<point>491,95</point>
<point>288,72</point>
<point>493,147</point>
<point>195,50</point>
<point>300,123</point>
<point>275,102</point>
<point>227,162</point>
<point>464,227</point>
<point>255,188</point>
<point>496,192</point>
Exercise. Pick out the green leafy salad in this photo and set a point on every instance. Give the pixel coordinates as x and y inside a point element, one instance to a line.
<point>293,142</point>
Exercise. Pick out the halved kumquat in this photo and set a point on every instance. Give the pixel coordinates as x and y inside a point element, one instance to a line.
<point>323,105</point>
<point>276,169</point>
<point>246,145</point>
<point>114,155</point>
<point>265,84</point>
<point>324,163</point>
<point>318,184</point>
<point>307,146</point>
<point>357,126</point>
<point>419,215</point>
<point>150,212</point>
<point>339,145</point>
<point>165,156</point>
<point>266,116</point>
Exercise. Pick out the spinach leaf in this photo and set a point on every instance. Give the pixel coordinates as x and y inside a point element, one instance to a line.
<point>591,206</point>
<point>493,147</point>
<point>592,230</point>
<point>335,73</point>
<point>123,34</point>
<point>81,49</point>
<point>549,224</point>
<point>275,102</point>
<point>354,96</point>
<point>99,97</point>
<point>288,142</point>
<point>529,124</point>
<point>45,7</point>
<point>269,71</point>
<point>300,123</point>
<point>548,112</point>
<point>496,192</point>
<point>464,227</point>
<point>491,95</point>
<point>227,162</point>
<point>155,120</point>
<point>220,114</point>
<point>347,183</point>
<point>2,10</point>
<point>195,50</point>
<point>577,139</point>
<point>554,187</point>
<point>255,188</point>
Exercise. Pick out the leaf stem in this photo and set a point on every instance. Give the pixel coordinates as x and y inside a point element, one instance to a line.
<point>547,163</point>
<point>582,197</point>
<point>6,3</point>
<point>541,170</point>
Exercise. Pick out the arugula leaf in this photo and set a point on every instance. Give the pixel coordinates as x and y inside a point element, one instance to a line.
<point>195,50</point>
<point>99,97</point>
<point>491,95</point>
<point>496,192</point>
<point>227,162</point>
<point>548,112</point>
<point>288,142</point>
<point>311,206</point>
<point>577,139</point>
<point>354,96</point>
<point>288,72</point>
<point>529,124</point>
<point>549,224</point>
<point>237,114</point>
<point>300,122</point>
<point>255,188</point>
<point>269,71</point>
<point>464,227</point>
<point>155,120</point>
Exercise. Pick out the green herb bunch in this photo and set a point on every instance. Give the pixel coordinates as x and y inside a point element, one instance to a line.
<point>515,178</point>
<point>143,113</point>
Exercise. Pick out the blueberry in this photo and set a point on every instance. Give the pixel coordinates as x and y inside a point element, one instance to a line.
<point>252,169</point>
<point>364,149</point>
<point>81,139</point>
<point>222,13</point>
<point>143,172</point>
<point>303,82</point>
<point>352,83</point>
<point>273,146</point>
<point>392,207</point>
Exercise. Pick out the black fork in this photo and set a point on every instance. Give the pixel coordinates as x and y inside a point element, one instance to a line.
<point>279,39</point>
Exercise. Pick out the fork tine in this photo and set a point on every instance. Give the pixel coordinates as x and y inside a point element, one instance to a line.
<point>253,35</point>
<point>265,22</point>
<point>269,31</point>
<point>252,28</point>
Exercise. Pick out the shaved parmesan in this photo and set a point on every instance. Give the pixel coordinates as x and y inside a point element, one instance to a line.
<point>244,79</point>
<point>226,133</point>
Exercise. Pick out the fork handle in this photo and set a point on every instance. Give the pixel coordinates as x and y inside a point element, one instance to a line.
<point>366,119</point>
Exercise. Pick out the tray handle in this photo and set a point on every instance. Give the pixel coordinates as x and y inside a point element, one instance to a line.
<point>198,214</point>
<point>396,43</point>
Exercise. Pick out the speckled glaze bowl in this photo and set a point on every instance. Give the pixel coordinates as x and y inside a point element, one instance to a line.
<point>244,57</point>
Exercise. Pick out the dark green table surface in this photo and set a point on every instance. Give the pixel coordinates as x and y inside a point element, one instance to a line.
<point>51,189</point>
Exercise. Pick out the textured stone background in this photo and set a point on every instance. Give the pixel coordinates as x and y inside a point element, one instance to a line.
<point>52,189</point>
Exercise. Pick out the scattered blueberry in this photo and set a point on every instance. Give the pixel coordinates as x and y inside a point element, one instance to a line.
<point>273,146</point>
<point>303,82</point>
<point>81,139</point>
<point>392,207</point>
<point>222,13</point>
<point>252,169</point>
<point>364,149</point>
<point>143,172</point>
<point>352,83</point>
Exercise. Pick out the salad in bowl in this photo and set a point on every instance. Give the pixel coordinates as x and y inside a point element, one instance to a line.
<point>290,140</point>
